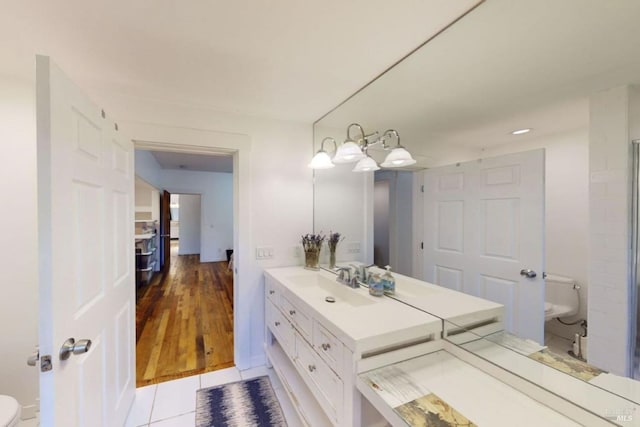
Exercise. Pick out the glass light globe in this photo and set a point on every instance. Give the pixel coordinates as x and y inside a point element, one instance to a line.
<point>366,165</point>
<point>348,152</point>
<point>397,158</point>
<point>321,160</point>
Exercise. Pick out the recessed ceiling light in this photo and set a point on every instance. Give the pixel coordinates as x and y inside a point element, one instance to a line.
<point>521,131</point>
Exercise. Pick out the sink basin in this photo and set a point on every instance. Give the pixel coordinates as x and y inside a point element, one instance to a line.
<point>326,287</point>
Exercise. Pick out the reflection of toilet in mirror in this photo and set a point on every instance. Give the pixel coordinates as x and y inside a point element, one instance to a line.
<point>561,297</point>
<point>9,411</point>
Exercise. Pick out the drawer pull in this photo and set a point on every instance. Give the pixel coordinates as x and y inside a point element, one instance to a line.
<point>326,346</point>
<point>292,312</point>
<point>312,368</point>
<point>271,292</point>
<point>277,323</point>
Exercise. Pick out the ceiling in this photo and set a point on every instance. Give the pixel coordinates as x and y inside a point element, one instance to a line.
<point>506,65</point>
<point>194,162</point>
<point>284,59</point>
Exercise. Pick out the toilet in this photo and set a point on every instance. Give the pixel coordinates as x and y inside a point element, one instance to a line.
<point>9,411</point>
<point>561,297</point>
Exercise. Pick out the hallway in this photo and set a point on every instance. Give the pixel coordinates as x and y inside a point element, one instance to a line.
<point>184,323</point>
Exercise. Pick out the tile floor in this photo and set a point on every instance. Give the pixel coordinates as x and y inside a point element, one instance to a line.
<point>557,344</point>
<point>173,403</point>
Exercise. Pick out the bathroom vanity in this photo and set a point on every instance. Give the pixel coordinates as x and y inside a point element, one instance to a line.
<point>356,360</point>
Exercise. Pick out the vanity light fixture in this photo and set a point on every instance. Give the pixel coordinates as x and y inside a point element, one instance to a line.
<point>355,150</point>
<point>521,131</point>
<point>399,156</point>
<point>322,160</point>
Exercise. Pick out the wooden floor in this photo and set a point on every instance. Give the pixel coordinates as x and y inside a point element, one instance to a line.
<point>184,323</point>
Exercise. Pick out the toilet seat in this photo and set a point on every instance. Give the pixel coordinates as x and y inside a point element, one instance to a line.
<point>9,411</point>
<point>552,311</point>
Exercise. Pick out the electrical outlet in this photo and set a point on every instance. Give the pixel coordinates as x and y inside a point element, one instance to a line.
<point>353,247</point>
<point>265,253</point>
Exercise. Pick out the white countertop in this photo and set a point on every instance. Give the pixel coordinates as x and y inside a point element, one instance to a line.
<point>366,324</point>
<point>456,307</point>
<point>479,397</point>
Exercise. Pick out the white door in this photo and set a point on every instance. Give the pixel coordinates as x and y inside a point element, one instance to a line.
<point>484,224</point>
<point>86,259</point>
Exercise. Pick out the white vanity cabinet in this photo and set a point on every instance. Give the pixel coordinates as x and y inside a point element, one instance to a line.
<point>314,345</point>
<point>293,327</point>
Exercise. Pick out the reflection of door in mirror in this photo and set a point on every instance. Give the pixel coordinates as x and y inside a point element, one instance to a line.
<point>483,225</point>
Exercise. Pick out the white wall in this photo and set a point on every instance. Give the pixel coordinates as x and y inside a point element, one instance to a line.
<point>280,192</point>
<point>18,254</point>
<point>190,209</point>
<point>148,168</point>
<point>566,210</point>
<point>216,221</point>
<point>615,118</point>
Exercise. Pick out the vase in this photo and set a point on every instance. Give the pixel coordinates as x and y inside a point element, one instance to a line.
<point>311,258</point>
<point>332,259</point>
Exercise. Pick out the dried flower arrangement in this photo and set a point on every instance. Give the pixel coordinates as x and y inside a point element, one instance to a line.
<point>312,243</point>
<point>334,239</point>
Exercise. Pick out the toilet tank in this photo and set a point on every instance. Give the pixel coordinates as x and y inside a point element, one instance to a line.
<point>561,291</point>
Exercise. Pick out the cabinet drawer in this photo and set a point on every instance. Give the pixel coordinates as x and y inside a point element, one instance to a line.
<point>329,386</point>
<point>328,347</point>
<point>299,318</point>
<point>272,290</point>
<point>281,328</point>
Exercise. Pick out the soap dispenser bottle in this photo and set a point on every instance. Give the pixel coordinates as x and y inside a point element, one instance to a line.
<point>388,282</point>
<point>376,288</point>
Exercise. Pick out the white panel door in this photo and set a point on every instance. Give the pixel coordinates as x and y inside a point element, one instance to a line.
<point>484,223</point>
<point>86,259</point>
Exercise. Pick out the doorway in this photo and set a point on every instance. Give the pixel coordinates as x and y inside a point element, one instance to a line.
<point>185,316</point>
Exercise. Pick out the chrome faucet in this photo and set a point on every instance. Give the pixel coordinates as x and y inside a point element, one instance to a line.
<point>362,272</point>
<point>345,277</point>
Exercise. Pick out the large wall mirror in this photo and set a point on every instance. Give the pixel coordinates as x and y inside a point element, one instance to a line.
<point>553,201</point>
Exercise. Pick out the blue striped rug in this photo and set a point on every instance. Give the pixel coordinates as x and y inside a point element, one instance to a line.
<point>250,403</point>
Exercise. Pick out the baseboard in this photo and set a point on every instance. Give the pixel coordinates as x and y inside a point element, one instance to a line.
<point>29,412</point>
<point>258,360</point>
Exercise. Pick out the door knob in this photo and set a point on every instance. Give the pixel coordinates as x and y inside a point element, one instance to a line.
<point>528,273</point>
<point>71,346</point>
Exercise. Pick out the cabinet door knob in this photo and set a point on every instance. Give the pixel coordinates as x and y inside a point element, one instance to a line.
<point>312,368</point>
<point>292,312</point>
<point>271,292</point>
<point>326,346</point>
<point>277,323</point>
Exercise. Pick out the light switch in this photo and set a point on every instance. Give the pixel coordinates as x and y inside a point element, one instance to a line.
<point>264,253</point>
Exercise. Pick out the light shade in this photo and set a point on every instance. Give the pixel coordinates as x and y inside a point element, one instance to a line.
<point>321,160</point>
<point>366,165</point>
<point>397,158</point>
<point>348,152</point>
